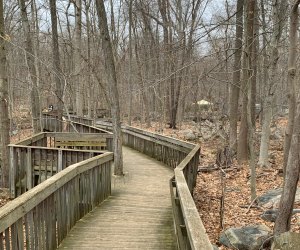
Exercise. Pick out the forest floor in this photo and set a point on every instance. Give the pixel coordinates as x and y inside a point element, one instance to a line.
<point>208,191</point>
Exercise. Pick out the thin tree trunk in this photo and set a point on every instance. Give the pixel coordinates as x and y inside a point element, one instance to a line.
<point>77,58</point>
<point>250,75</point>
<point>236,77</point>
<point>30,59</point>
<point>279,12</point>
<point>242,149</point>
<point>56,62</point>
<point>112,85</point>
<point>291,82</point>
<point>141,82</point>
<point>88,31</point>
<point>283,221</point>
<point>130,65</point>
<point>4,117</point>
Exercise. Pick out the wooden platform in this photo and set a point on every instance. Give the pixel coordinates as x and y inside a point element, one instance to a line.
<point>138,215</point>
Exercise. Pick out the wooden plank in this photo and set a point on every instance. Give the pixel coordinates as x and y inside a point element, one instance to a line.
<point>76,136</point>
<point>80,143</point>
<point>28,141</point>
<point>29,173</point>
<point>138,215</point>
<point>60,163</point>
<point>20,235</point>
<point>12,171</point>
<point>196,232</point>
<point>7,239</point>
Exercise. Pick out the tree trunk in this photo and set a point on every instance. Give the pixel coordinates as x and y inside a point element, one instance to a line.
<point>291,82</point>
<point>32,74</point>
<point>90,100</point>
<point>283,221</point>
<point>77,58</point>
<point>279,11</point>
<point>56,62</point>
<point>130,64</point>
<point>249,90</point>
<point>112,85</point>
<point>141,82</point>
<point>4,118</point>
<point>236,77</point>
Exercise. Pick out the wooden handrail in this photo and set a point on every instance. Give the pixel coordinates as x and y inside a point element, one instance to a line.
<point>46,213</point>
<point>30,165</point>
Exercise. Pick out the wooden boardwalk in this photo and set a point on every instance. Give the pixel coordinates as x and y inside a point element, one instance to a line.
<point>138,215</point>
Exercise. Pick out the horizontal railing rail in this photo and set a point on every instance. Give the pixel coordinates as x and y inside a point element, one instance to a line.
<point>90,141</point>
<point>42,217</point>
<point>183,157</point>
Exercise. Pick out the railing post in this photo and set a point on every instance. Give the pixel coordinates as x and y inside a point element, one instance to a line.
<point>59,159</point>
<point>12,172</point>
<point>29,169</point>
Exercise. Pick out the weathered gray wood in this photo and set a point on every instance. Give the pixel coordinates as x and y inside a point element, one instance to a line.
<point>44,164</point>
<point>194,226</point>
<point>12,171</point>
<point>138,214</point>
<point>30,140</point>
<point>77,136</point>
<point>20,206</point>
<point>29,169</point>
<point>60,164</point>
<point>184,157</point>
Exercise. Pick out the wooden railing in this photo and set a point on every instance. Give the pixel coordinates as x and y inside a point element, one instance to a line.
<point>183,157</point>
<point>42,217</point>
<point>79,125</point>
<point>35,159</point>
<point>87,141</point>
<point>31,165</point>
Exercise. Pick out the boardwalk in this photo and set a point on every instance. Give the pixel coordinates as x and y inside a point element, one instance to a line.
<point>138,215</point>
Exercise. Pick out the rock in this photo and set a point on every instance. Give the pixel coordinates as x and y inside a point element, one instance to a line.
<point>271,199</point>
<point>189,135</point>
<point>271,215</point>
<point>245,238</point>
<point>286,241</point>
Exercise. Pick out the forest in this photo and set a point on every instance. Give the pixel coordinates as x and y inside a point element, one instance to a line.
<point>221,74</point>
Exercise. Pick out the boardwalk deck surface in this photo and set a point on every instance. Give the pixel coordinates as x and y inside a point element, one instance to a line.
<point>138,215</point>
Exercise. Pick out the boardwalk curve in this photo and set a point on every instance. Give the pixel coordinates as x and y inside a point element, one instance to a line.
<point>138,215</point>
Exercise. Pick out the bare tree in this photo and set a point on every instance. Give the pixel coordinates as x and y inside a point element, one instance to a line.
<point>291,83</point>
<point>236,78</point>
<point>112,86</point>
<point>77,58</point>
<point>56,61</point>
<point>32,70</point>
<point>4,117</point>
<point>279,12</point>
<point>283,221</point>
